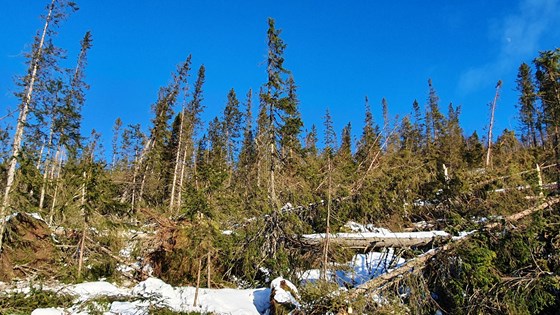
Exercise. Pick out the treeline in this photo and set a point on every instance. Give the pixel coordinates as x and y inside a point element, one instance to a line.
<point>261,175</point>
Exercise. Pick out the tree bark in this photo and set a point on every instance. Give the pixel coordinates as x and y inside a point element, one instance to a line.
<point>82,243</point>
<point>419,263</point>
<point>491,125</point>
<point>177,161</point>
<point>16,147</point>
<point>197,282</point>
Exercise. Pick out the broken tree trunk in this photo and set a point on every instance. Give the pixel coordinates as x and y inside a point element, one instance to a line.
<point>376,240</point>
<point>491,125</point>
<point>419,263</point>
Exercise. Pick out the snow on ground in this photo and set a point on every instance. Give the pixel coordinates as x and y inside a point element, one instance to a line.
<point>362,267</point>
<point>284,292</point>
<point>154,293</point>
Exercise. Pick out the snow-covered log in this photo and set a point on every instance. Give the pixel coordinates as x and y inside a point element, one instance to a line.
<point>377,239</point>
<point>420,262</point>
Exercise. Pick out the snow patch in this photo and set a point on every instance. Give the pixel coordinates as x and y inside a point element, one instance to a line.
<point>48,311</point>
<point>362,268</point>
<point>285,292</point>
<point>89,290</point>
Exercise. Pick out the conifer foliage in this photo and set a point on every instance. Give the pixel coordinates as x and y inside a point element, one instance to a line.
<point>251,172</point>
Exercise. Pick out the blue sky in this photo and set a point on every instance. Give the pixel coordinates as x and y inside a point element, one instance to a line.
<point>338,51</point>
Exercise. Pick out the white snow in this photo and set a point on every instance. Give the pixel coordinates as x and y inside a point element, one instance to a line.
<point>154,292</point>
<point>219,301</point>
<point>462,235</point>
<point>281,295</point>
<point>358,227</point>
<point>89,290</point>
<point>363,267</point>
<point>48,311</point>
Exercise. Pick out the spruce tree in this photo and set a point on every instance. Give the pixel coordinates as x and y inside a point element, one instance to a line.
<point>232,128</point>
<point>56,12</point>
<point>548,79</point>
<point>369,140</point>
<point>280,108</point>
<point>527,104</point>
<point>157,167</point>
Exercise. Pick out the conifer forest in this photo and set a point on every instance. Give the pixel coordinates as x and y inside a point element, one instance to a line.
<point>411,216</point>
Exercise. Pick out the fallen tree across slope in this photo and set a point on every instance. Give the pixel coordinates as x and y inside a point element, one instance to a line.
<point>418,263</point>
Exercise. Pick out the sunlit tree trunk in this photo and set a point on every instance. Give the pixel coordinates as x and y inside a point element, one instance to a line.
<point>16,147</point>
<point>491,125</point>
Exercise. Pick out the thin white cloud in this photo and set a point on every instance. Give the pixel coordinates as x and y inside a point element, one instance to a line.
<point>519,37</point>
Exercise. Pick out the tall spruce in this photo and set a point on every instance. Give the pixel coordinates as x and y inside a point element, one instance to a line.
<point>56,12</point>
<point>527,104</point>
<point>232,129</point>
<point>436,118</point>
<point>156,168</point>
<point>330,145</point>
<point>279,109</point>
<point>369,141</point>
<point>548,79</point>
<point>192,124</point>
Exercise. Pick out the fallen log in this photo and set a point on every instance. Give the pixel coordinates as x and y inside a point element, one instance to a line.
<point>377,239</point>
<point>419,263</point>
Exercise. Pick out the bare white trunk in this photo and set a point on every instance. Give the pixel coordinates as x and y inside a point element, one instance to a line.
<point>182,177</point>
<point>45,177</point>
<point>197,282</point>
<point>491,126</point>
<point>16,147</point>
<point>177,161</point>
<point>539,176</point>
<point>56,186</point>
<point>139,161</point>
<point>45,172</point>
<point>83,241</point>
<point>134,174</point>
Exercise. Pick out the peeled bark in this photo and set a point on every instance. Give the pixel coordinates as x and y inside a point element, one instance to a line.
<point>491,126</point>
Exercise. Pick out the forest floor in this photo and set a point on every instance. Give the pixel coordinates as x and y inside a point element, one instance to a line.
<point>31,247</point>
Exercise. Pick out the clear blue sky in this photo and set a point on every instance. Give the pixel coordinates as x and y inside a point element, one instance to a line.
<point>338,51</point>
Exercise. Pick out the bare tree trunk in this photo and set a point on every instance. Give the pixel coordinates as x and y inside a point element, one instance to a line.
<point>273,199</point>
<point>47,145</point>
<point>45,177</point>
<point>208,268</point>
<point>195,174</point>
<point>82,243</point>
<point>539,177</point>
<point>56,185</point>
<point>134,175</point>
<point>177,161</point>
<point>139,164</point>
<point>491,126</point>
<point>182,177</point>
<point>16,147</point>
<point>197,282</point>
<point>328,229</point>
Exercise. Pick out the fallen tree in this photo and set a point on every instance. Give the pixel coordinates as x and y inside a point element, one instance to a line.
<point>419,263</point>
<point>377,239</point>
